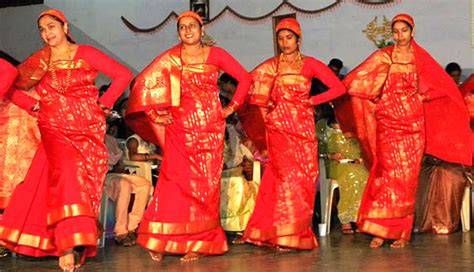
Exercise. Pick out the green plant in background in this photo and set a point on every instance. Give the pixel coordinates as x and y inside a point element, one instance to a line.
<point>380,36</point>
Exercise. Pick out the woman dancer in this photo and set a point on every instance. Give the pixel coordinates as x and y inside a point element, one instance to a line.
<point>284,208</point>
<point>404,105</point>
<point>175,103</point>
<point>54,211</point>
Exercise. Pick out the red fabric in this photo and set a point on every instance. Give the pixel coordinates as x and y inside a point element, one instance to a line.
<point>119,74</point>
<point>467,86</point>
<point>186,198</point>
<point>394,138</point>
<point>448,132</point>
<point>8,74</point>
<point>285,201</point>
<point>161,70</point>
<point>252,115</point>
<point>59,200</point>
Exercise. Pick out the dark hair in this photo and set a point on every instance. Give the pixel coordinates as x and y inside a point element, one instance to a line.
<point>407,23</point>
<point>297,36</point>
<point>226,78</point>
<point>336,63</point>
<point>452,67</point>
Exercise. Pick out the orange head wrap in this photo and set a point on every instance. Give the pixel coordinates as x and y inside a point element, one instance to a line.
<point>191,14</point>
<point>405,18</point>
<point>57,14</point>
<point>290,24</point>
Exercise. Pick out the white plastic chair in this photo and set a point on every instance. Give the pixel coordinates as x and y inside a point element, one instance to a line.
<point>466,210</point>
<point>326,191</point>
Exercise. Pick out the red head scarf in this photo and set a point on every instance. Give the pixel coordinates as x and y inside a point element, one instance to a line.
<point>405,18</point>
<point>57,14</point>
<point>191,14</point>
<point>290,24</point>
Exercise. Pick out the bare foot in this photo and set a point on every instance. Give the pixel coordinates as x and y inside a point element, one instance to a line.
<point>347,229</point>
<point>280,249</point>
<point>66,260</point>
<point>376,242</point>
<point>156,257</point>
<point>191,256</point>
<point>400,243</point>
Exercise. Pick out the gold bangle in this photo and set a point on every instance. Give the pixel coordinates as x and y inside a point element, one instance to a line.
<point>233,106</point>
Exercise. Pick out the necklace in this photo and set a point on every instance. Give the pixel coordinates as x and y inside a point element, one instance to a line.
<point>62,88</point>
<point>194,57</point>
<point>296,60</point>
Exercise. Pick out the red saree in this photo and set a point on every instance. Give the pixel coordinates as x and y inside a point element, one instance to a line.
<point>19,138</point>
<point>184,213</point>
<point>56,206</point>
<point>285,200</point>
<point>395,128</point>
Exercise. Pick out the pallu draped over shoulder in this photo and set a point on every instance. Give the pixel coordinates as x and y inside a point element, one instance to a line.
<point>56,207</point>
<point>395,128</point>
<point>285,201</point>
<point>184,213</point>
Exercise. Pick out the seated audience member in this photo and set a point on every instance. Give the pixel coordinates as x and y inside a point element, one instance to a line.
<point>454,71</point>
<point>120,185</point>
<point>442,183</point>
<point>238,189</point>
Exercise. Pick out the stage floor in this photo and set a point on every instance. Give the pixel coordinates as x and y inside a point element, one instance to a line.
<point>337,252</point>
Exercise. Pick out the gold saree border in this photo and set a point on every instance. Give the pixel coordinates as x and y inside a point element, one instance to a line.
<point>384,232</point>
<point>291,241</point>
<point>179,228</point>
<point>76,239</point>
<point>66,211</point>
<point>389,213</point>
<point>277,231</point>
<point>12,237</point>
<point>174,247</point>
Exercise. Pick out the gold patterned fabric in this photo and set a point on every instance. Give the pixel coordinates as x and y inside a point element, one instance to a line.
<point>57,205</point>
<point>398,122</point>
<point>184,212</point>
<point>237,199</point>
<point>19,139</point>
<point>283,212</point>
<point>350,174</point>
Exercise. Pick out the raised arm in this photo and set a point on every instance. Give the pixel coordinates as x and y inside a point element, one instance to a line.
<point>119,74</point>
<point>324,74</point>
<point>231,66</point>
